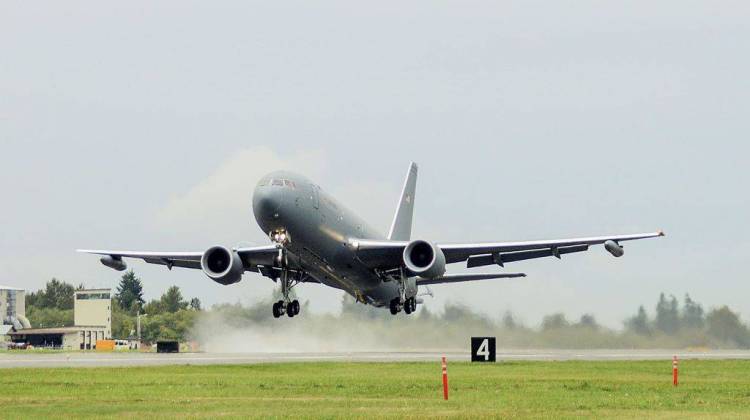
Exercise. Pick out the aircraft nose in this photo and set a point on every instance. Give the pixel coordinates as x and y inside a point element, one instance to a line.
<point>266,203</point>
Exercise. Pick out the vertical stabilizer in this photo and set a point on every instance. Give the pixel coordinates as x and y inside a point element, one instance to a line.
<point>401,227</point>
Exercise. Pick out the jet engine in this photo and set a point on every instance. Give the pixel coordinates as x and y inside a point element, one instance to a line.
<point>222,265</point>
<point>115,263</point>
<point>424,259</point>
<point>614,248</point>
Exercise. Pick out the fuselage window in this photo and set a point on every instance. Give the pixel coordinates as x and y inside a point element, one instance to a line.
<point>277,182</point>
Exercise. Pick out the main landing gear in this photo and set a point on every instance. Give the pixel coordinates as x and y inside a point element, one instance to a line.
<point>282,307</point>
<point>409,305</point>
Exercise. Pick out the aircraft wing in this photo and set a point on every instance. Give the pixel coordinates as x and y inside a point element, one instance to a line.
<point>251,257</point>
<point>462,252</point>
<point>386,255</point>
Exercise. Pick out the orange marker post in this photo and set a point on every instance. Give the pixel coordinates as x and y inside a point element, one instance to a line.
<point>674,370</point>
<point>445,379</point>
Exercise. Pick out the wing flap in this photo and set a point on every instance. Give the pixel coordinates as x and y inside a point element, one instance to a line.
<point>502,259</point>
<point>457,278</point>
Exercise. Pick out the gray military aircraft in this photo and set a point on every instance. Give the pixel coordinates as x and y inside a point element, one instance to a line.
<point>315,239</point>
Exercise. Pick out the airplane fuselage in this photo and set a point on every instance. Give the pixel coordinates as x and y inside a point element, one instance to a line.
<point>319,229</point>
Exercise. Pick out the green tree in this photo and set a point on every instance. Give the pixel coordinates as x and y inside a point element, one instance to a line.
<point>49,317</point>
<point>168,326</point>
<point>172,301</point>
<point>154,307</point>
<point>123,323</point>
<point>56,294</point>
<point>726,326</point>
<point>554,322</point>
<point>692,314</point>
<point>195,304</point>
<point>639,323</point>
<point>129,293</point>
<point>588,321</point>
<point>667,315</point>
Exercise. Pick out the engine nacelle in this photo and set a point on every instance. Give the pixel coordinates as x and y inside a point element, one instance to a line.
<point>115,263</point>
<point>222,265</point>
<point>424,259</point>
<point>613,248</point>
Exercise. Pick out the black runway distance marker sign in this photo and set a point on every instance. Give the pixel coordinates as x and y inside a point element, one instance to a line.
<point>483,349</point>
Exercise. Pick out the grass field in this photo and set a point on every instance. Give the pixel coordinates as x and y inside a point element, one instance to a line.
<point>507,389</point>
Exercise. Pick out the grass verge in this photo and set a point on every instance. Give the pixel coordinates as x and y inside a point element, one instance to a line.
<point>507,389</point>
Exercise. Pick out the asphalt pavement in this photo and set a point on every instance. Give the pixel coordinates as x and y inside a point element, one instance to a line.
<point>29,359</point>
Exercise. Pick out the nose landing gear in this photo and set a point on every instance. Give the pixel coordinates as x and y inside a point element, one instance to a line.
<point>285,306</point>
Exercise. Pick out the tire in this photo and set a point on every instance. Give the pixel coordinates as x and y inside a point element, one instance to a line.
<point>394,307</point>
<point>295,307</point>
<point>276,313</point>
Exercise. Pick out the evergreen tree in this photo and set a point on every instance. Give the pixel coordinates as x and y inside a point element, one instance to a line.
<point>129,294</point>
<point>172,301</point>
<point>55,295</point>
<point>639,323</point>
<point>667,315</point>
<point>692,314</point>
<point>195,304</point>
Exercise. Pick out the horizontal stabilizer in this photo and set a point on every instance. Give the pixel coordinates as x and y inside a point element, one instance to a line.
<point>456,278</point>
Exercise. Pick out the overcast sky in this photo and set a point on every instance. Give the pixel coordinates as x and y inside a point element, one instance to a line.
<point>145,125</point>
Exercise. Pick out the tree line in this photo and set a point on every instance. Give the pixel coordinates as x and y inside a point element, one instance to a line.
<point>672,324</point>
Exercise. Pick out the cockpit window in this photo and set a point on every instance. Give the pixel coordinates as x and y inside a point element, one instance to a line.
<point>281,183</point>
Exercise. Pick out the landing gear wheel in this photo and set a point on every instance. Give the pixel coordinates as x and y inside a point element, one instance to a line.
<point>413,301</point>
<point>407,306</point>
<point>394,307</point>
<point>294,307</point>
<point>277,310</point>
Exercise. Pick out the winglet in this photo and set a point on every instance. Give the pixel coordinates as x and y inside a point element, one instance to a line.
<point>402,220</point>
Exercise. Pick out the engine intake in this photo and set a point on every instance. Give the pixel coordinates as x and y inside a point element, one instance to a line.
<point>424,259</point>
<point>222,265</point>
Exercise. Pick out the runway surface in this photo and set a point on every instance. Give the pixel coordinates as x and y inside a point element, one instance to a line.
<point>20,358</point>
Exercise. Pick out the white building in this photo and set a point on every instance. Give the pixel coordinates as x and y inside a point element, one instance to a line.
<point>92,314</point>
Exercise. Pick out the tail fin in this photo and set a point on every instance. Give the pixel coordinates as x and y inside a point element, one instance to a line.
<point>401,227</point>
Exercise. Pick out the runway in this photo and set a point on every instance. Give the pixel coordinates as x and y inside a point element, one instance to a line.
<point>24,359</point>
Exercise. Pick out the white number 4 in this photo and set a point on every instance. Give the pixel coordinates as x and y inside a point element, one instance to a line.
<point>484,349</point>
